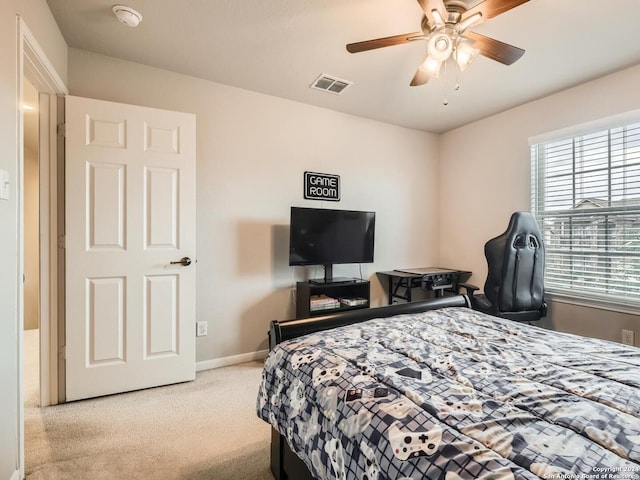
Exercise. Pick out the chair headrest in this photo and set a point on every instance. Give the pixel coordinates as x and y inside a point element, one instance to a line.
<point>523,223</point>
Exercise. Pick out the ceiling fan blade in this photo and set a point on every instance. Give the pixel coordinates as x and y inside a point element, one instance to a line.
<point>420,78</point>
<point>495,49</point>
<point>383,42</point>
<point>428,6</point>
<point>491,8</point>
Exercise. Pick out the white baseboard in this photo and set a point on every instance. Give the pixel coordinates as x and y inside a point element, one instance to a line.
<point>15,476</point>
<point>233,360</point>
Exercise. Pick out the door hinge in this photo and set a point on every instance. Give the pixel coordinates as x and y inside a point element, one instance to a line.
<point>62,129</point>
<point>62,352</point>
<point>62,241</point>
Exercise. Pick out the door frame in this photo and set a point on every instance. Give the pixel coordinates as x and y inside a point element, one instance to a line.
<point>33,64</point>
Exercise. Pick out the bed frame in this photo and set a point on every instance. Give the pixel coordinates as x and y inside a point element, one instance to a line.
<point>286,465</point>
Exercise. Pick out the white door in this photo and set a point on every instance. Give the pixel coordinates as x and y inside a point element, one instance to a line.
<point>130,213</point>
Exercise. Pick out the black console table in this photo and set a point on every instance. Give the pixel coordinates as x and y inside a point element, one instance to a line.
<point>400,283</point>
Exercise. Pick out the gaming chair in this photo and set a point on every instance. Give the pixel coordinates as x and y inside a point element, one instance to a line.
<point>514,288</point>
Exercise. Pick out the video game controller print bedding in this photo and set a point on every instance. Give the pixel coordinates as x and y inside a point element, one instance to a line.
<point>454,394</point>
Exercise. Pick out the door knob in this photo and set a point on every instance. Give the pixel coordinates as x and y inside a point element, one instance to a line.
<point>184,261</point>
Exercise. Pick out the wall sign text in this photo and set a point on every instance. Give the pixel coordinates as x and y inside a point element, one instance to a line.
<point>321,186</point>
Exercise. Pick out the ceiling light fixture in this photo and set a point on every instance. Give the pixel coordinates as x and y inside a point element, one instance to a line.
<point>445,43</point>
<point>444,28</point>
<point>465,53</point>
<point>127,15</point>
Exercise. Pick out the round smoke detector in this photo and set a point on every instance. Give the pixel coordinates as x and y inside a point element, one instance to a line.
<point>127,15</point>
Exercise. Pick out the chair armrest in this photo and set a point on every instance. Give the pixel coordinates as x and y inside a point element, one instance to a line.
<point>469,288</point>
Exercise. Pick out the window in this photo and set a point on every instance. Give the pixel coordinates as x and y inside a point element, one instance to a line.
<point>586,199</point>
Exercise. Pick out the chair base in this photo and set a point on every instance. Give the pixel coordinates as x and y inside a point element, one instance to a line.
<point>526,316</point>
<point>482,304</point>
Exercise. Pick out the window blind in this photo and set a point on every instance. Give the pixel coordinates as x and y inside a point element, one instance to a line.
<point>586,199</point>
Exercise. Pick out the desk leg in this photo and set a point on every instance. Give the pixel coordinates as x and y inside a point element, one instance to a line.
<point>401,282</point>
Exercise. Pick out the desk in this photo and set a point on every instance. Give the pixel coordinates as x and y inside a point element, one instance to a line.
<point>435,279</point>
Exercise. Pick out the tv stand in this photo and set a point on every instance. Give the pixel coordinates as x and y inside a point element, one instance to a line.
<point>352,293</point>
<point>332,280</point>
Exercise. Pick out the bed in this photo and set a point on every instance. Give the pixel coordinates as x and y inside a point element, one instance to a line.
<point>436,390</point>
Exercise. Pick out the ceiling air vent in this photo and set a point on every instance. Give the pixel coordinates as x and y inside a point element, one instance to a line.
<point>330,84</point>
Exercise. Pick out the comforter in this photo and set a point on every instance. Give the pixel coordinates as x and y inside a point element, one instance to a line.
<point>455,394</point>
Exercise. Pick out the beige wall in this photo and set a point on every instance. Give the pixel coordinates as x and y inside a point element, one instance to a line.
<point>31,241</point>
<point>486,168</point>
<point>253,148</point>
<point>252,151</point>
<point>31,211</point>
<point>40,21</point>
<point>594,322</point>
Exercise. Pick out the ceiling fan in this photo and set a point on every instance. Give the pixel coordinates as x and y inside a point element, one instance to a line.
<point>445,29</point>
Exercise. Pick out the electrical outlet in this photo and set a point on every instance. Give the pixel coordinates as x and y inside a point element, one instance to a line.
<point>201,329</point>
<point>628,337</point>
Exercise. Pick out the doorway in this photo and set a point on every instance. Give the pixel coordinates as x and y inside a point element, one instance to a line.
<point>31,244</point>
<point>35,69</point>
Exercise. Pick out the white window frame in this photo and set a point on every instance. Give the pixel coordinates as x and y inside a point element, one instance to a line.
<point>583,280</point>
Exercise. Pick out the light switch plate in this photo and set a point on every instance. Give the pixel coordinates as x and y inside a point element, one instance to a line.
<point>201,329</point>
<point>4,185</point>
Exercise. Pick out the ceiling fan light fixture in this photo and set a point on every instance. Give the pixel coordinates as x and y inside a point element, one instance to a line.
<point>465,53</point>
<point>444,28</point>
<point>440,46</point>
<point>431,67</point>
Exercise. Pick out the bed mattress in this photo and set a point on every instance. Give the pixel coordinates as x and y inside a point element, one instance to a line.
<point>455,394</point>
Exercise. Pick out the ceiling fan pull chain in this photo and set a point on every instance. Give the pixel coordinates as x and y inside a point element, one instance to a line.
<point>445,101</point>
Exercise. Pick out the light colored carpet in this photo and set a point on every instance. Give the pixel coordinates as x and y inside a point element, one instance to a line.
<point>201,430</point>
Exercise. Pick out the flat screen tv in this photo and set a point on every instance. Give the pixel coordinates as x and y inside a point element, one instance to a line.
<point>326,237</point>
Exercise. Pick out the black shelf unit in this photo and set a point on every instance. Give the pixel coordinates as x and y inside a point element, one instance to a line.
<point>347,289</point>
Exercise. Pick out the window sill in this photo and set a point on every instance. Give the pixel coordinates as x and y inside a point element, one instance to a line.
<point>597,303</point>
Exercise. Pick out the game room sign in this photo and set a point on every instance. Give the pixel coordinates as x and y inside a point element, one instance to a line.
<point>321,186</point>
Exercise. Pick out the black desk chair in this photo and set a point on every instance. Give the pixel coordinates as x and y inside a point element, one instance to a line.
<point>514,288</point>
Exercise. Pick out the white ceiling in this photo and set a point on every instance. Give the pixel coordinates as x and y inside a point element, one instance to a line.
<point>279,47</point>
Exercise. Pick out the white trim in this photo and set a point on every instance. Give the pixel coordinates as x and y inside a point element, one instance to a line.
<point>606,123</point>
<point>16,475</point>
<point>233,360</point>
<point>36,64</point>
<point>19,280</point>
<point>44,174</point>
<point>47,163</point>
<point>32,63</point>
